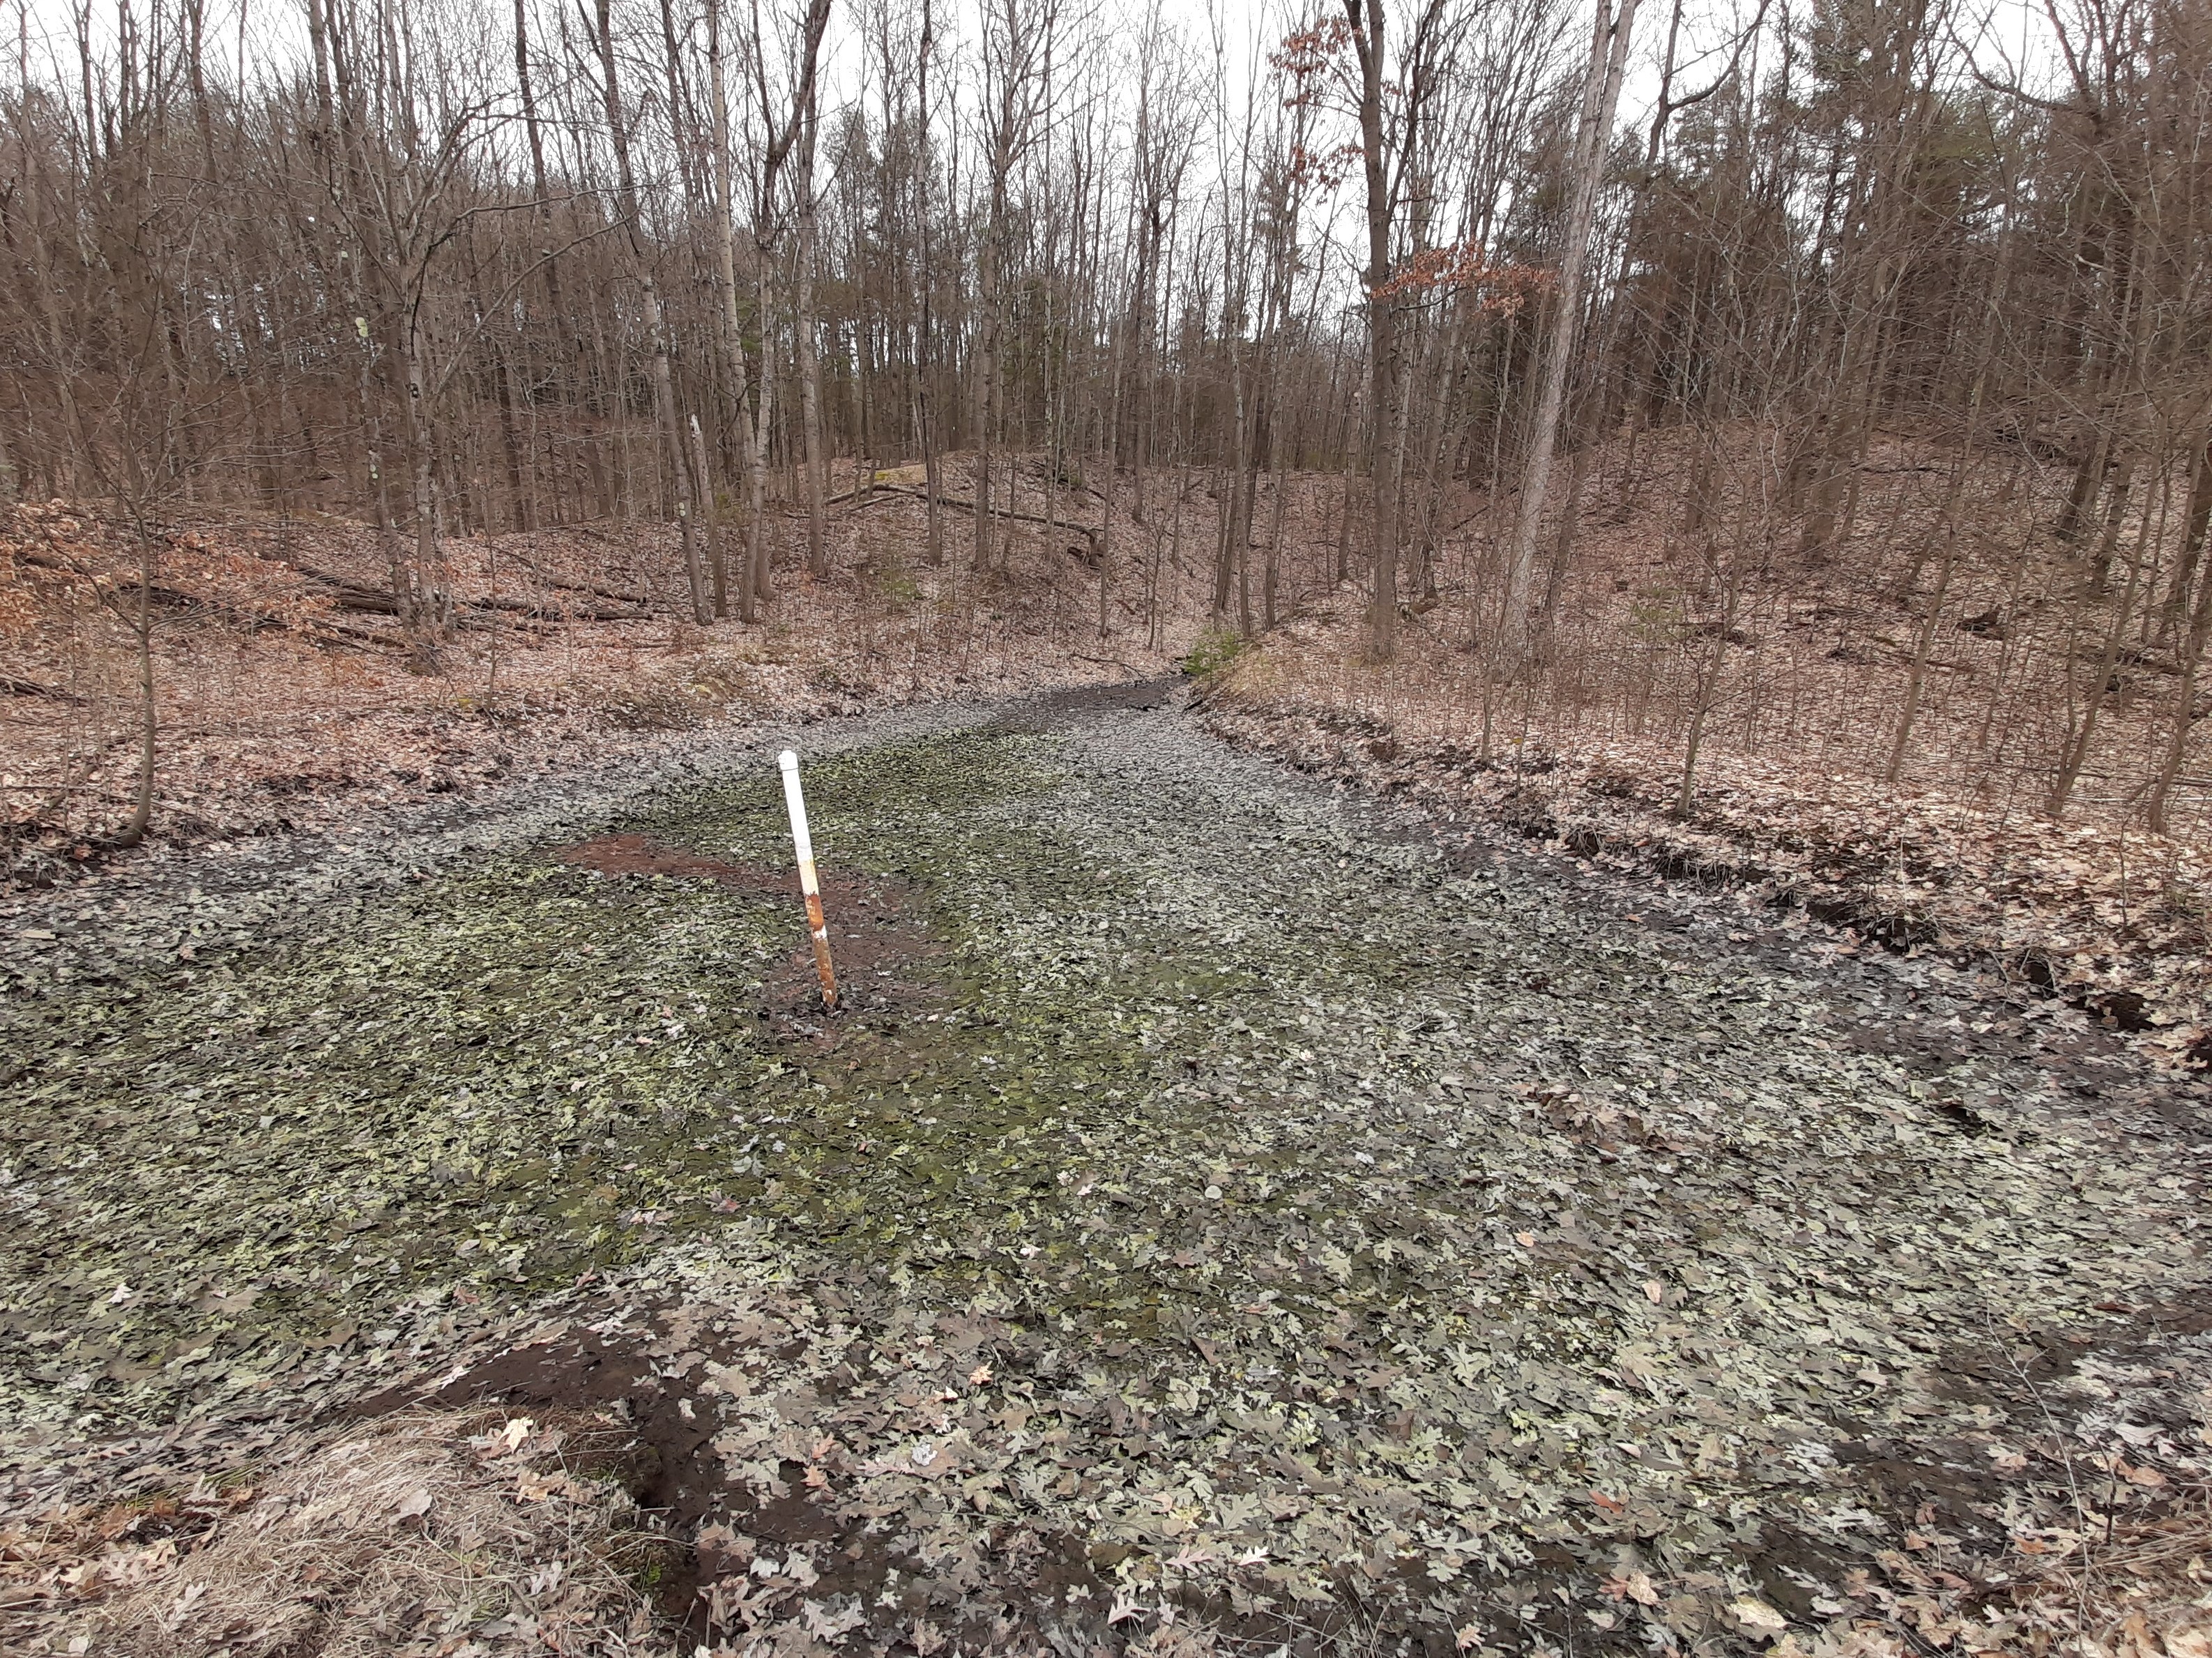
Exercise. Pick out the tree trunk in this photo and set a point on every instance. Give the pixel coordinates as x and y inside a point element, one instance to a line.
<point>810,364</point>
<point>1601,97</point>
<point>664,388</point>
<point>732,323</point>
<point>1388,434</point>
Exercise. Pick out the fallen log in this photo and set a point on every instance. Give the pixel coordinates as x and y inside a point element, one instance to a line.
<point>556,611</point>
<point>596,591</point>
<point>378,601</point>
<point>1089,532</point>
<point>16,687</point>
<point>319,629</point>
<point>351,595</point>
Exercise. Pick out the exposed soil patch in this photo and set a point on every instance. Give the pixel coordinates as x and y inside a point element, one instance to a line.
<point>878,939</point>
<point>640,1408</point>
<point>622,1425</point>
<point>641,854</point>
<point>879,946</point>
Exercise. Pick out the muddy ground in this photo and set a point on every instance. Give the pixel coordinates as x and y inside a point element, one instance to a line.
<point>1220,1204</point>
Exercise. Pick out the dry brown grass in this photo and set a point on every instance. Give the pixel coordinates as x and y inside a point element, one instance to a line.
<point>444,1534</point>
<point>2146,1592</point>
<point>2132,1588</point>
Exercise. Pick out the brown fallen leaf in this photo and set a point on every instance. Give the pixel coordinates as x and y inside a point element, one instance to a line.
<point>1635,1585</point>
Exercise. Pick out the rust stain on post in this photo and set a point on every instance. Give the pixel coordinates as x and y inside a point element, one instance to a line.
<point>795,803</point>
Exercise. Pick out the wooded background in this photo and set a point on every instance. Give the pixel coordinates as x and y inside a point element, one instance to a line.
<point>1845,298</point>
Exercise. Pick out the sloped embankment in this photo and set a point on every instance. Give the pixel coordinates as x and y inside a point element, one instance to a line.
<point>2110,924</point>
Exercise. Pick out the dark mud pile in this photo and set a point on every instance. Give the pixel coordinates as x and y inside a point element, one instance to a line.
<point>1215,1204</point>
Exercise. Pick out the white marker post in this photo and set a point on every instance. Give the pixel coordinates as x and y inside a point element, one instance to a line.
<point>789,763</point>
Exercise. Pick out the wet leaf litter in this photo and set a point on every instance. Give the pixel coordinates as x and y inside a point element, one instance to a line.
<point>1215,1201</point>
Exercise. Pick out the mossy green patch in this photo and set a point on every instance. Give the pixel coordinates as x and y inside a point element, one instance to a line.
<point>1216,649</point>
<point>526,1072</point>
<point>236,1163</point>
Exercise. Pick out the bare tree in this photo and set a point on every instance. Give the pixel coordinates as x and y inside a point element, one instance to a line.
<point>1608,63</point>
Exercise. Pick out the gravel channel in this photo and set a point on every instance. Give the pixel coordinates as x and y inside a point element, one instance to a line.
<point>1219,1200</point>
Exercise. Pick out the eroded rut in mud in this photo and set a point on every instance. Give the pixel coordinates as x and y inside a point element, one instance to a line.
<point>1215,1200</point>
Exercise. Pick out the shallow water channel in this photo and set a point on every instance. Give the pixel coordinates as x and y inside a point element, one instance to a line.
<point>1430,1217</point>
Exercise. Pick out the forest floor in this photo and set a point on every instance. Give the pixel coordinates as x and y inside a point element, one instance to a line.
<point>287,698</point>
<point>1229,1214</point>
